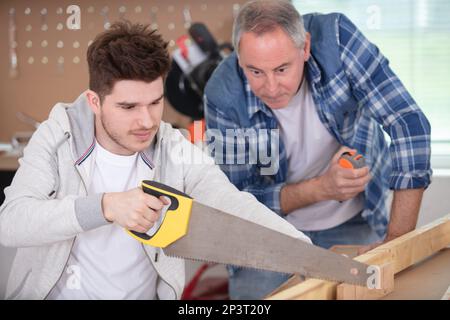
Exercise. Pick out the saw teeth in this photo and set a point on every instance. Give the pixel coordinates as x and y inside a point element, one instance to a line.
<point>254,268</point>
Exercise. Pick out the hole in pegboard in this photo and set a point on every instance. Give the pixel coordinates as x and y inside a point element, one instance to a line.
<point>156,13</point>
<point>44,60</point>
<point>76,60</point>
<point>30,60</point>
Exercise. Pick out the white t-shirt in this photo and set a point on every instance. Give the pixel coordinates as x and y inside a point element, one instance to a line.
<point>107,263</point>
<point>309,149</point>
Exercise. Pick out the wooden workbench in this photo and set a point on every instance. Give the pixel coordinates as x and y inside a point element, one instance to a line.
<point>425,280</point>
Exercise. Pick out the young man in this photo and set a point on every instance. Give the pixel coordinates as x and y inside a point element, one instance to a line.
<point>327,89</point>
<point>76,189</point>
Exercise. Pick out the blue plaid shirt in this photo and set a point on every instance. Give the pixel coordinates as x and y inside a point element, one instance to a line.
<point>357,96</point>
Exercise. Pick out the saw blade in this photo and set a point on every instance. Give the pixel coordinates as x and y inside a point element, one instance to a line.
<point>216,236</point>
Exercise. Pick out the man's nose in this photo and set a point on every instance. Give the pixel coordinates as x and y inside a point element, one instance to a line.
<point>144,118</point>
<point>271,84</point>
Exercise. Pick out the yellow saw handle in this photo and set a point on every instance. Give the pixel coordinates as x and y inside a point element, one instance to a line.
<point>176,220</point>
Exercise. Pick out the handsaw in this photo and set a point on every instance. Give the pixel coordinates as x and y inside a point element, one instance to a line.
<point>195,231</point>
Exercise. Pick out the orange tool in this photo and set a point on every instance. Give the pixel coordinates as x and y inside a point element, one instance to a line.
<point>352,160</point>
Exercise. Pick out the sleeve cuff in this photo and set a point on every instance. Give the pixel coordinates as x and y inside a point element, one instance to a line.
<point>410,180</point>
<point>89,212</point>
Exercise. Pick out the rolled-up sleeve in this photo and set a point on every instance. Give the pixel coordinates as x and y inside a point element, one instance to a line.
<point>380,92</point>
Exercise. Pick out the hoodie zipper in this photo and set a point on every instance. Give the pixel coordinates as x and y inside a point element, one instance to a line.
<point>71,247</point>
<point>66,137</point>
<point>153,261</point>
<point>60,276</point>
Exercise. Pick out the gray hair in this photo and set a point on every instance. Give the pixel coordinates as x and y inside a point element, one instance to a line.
<point>262,16</point>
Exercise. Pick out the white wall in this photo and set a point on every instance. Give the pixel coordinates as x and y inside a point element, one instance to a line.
<point>436,203</point>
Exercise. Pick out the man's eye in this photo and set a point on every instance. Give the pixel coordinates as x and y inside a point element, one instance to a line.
<point>156,102</point>
<point>127,107</point>
<point>281,70</point>
<point>256,72</point>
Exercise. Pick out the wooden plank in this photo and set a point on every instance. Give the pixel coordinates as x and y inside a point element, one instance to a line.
<point>292,281</point>
<point>315,289</point>
<point>402,252</point>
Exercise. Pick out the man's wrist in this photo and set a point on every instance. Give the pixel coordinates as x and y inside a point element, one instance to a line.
<point>312,190</point>
<point>318,190</point>
<point>105,207</point>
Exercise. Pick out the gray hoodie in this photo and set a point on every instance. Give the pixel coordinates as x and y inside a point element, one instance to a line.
<point>47,204</point>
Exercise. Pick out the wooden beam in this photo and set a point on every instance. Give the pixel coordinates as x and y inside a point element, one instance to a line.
<point>402,252</point>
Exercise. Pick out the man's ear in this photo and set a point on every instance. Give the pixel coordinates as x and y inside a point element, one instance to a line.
<point>93,101</point>
<point>307,48</point>
<point>239,62</point>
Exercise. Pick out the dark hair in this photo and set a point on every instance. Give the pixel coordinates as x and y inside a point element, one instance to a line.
<point>126,51</point>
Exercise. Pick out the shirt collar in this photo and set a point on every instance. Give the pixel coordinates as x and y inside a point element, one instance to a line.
<point>313,74</point>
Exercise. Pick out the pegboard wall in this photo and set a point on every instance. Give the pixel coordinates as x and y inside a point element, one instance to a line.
<point>43,55</point>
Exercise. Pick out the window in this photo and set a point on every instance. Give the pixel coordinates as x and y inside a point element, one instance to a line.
<point>414,36</point>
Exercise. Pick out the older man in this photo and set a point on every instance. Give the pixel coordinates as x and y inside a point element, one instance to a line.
<point>327,90</point>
